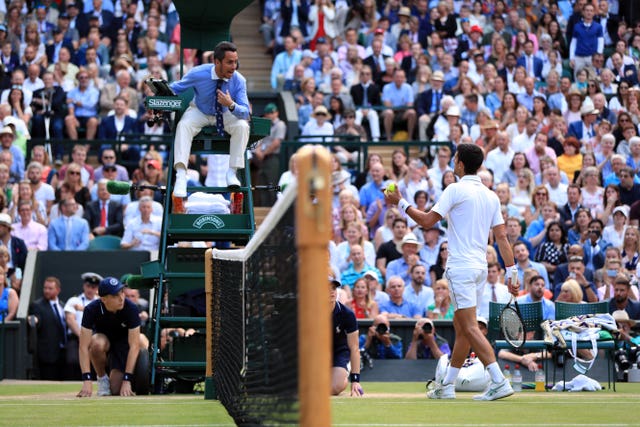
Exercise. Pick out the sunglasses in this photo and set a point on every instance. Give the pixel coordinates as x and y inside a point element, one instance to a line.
<point>541,194</point>
<point>444,249</point>
<point>73,173</point>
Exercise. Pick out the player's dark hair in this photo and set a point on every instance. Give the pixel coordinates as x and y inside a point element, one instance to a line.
<point>471,157</point>
<point>222,48</point>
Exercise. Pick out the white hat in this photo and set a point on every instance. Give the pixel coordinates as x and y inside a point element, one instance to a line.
<point>588,108</point>
<point>622,316</point>
<point>624,210</point>
<point>482,320</point>
<point>453,111</point>
<point>5,219</point>
<point>338,177</point>
<point>409,239</point>
<point>372,274</point>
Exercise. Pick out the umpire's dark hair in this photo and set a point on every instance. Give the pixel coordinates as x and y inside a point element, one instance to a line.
<point>471,157</point>
<point>222,48</point>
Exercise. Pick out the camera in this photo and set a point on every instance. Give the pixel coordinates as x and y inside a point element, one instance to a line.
<point>427,328</point>
<point>621,360</point>
<point>157,117</point>
<point>382,328</point>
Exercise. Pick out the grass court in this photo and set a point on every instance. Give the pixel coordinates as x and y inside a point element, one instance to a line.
<point>29,403</point>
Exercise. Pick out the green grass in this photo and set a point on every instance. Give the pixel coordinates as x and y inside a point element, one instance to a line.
<point>384,404</point>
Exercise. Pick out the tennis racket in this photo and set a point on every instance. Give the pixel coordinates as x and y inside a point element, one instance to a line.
<point>511,323</point>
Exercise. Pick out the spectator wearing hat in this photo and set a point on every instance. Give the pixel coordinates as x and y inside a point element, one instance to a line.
<point>410,249</point>
<point>118,124</point>
<point>104,215</point>
<point>403,25</point>
<point>266,159</point>
<point>429,103</point>
<point>17,247</point>
<point>284,61</point>
<point>468,43</point>
<point>48,103</point>
<point>584,129</point>
<point>7,138</point>
<point>56,43</point>
<point>46,315</point>
<point>442,123</point>
<point>109,341</point>
<point>68,232</point>
<point>73,311</point>
<point>397,96</point>
<point>319,127</point>
<point>627,337</point>
<point>374,279</point>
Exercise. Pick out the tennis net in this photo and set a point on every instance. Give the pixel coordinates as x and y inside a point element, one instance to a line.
<point>254,322</point>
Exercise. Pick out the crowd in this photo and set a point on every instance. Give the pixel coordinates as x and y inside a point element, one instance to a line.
<point>548,89</point>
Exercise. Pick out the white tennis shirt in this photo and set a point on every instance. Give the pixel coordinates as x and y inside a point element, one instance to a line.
<point>471,211</point>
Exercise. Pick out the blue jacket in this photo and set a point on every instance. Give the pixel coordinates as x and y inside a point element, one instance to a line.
<point>203,81</point>
<point>575,129</point>
<point>586,38</point>
<point>79,234</point>
<point>107,128</point>
<point>537,65</point>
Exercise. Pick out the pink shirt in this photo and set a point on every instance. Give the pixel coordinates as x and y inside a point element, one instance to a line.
<point>34,235</point>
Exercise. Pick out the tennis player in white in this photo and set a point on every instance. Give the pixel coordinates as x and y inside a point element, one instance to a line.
<point>472,211</point>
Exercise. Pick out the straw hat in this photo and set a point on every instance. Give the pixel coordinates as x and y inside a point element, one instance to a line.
<point>321,110</point>
<point>409,239</point>
<point>621,316</point>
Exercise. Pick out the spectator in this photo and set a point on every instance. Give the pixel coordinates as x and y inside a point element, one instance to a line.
<point>615,232</point>
<point>425,343</point>
<point>143,233</point>
<point>366,94</point>
<point>621,299</point>
<point>33,233</point>
<point>398,307</point>
<point>409,247</point>
<point>436,271</point>
<point>68,232</point>
<point>363,304</point>
<point>494,290</point>
<point>417,292</point>
<point>266,155</point>
<point>284,61</point>
<point>630,250</point>
<point>104,215</point>
<point>442,307</point>
<point>388,251</point>
<point>357,265</point>
<point>521,254</point>
<point>379,342</point>
<point>16,168</point>
<point>83,108</point>
<point>9,299</point>
<point>48,103</point>
<point>321,127</point>
<point>594,247</point>
<point>398,98</point>
<point>46,315</point>
<point>108,157</point>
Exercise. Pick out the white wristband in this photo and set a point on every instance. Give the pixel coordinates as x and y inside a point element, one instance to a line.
<point>403,205</point>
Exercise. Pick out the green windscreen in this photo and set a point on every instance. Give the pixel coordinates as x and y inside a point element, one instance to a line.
<point>205,23</point>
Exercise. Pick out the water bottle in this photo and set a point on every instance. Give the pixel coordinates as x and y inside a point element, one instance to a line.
<point>236,202</point>
<point>516,381</point>
<point>507,373</point>
<point>540,380</point>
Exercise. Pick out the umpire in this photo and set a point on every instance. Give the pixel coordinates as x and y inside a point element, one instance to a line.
<point>110,341</point>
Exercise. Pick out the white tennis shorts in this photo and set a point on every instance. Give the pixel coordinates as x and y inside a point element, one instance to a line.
<point>467,286</point>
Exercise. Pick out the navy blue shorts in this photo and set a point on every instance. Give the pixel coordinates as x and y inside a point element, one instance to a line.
<point>118,352</point>
<point>341,358</point>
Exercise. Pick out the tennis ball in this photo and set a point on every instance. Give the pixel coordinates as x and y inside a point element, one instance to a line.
<point>391,187</point>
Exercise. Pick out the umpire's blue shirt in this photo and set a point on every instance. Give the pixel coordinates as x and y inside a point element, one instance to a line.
<point>114,325</point>
<point>203,81</point>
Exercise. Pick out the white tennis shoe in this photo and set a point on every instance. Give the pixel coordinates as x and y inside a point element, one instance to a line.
<point>104,386</point>
<point>180,186</point>
<point>496,391</point>
<point>441,391</point>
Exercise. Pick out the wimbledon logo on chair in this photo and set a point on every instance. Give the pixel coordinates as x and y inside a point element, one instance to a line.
<point>203,220</point>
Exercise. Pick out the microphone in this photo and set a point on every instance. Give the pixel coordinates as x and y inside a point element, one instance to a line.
<point>136,281</point>
<point>121,187</point>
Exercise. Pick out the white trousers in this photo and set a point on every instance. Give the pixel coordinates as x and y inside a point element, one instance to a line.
<point>374,121</point>
<point>192,122</point>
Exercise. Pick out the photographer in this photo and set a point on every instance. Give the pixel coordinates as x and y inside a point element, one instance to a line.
<point>426,344</point>
<point>628,341</point>
<point>379,342</point>
<point>48,103</point>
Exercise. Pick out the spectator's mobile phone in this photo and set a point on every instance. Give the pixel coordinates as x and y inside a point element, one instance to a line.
<point>612,273</point>
<point>572,275</point>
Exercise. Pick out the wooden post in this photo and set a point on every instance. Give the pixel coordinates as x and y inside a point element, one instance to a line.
<point>209,386</point>
<point>313,232</point>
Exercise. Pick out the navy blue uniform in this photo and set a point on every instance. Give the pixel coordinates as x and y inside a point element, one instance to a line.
<point>344,322</point>
<point>115,326</point>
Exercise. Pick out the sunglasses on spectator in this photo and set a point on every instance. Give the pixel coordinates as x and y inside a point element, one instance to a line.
<point>541,194</point>
<point>74,173</point>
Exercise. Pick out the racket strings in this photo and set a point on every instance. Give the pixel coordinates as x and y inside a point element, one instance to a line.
<point>512,327</point>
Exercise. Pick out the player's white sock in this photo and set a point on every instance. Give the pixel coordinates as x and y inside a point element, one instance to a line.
<point>495,372</point>
<point>452,374</point>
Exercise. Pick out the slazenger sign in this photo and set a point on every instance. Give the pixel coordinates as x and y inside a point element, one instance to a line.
<point>164,103</point>
<point>203,220</point>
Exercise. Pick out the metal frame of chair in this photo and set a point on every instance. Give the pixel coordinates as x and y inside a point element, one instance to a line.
<point>565,310</point>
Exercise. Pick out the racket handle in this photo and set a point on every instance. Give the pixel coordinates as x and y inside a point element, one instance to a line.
<point>514,276</point>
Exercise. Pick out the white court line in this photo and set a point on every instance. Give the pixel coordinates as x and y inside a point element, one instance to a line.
<point>481,425</point>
